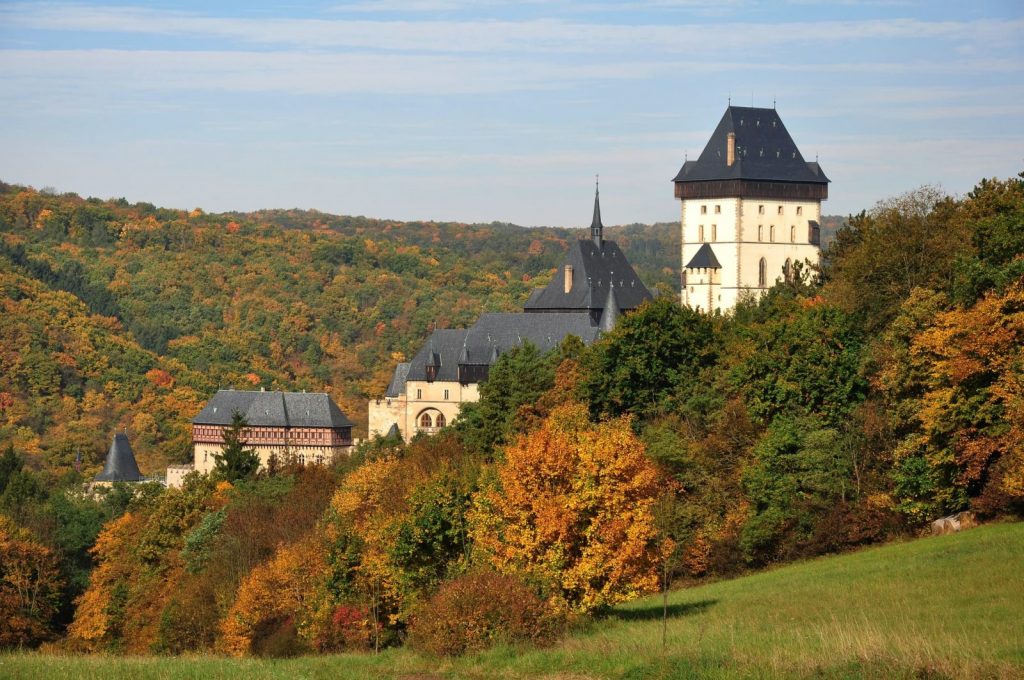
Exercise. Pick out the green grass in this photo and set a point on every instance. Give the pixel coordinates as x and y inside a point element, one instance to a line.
<point>949,606</point>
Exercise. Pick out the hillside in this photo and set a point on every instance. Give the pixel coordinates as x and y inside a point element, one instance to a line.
<point>948,606</point>
<point>281,299</point>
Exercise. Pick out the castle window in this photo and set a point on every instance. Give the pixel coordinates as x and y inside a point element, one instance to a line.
<point>714,232</point>
<point>780,209</point>
<point>787,270</point>
<point>419,394</point>
<point>440,422</point>
<point>302,459</point>
<point>771,233</point>
<point>700,233</point>
<point>799,210</point>
<point>425,421</point>
<point>760,232</point>
<point>718,210</point>
<point>792,234</point>
<point>446,391</point>
<point>762,273</point>
<point>760,210</point>
<point>703,210</point>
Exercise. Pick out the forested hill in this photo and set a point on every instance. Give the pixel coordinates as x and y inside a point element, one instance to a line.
<point>190,302</point>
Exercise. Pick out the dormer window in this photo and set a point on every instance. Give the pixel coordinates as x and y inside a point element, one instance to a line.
<point>431,373</point>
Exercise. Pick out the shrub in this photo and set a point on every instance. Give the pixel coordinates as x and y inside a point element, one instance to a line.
<point>478,610</point>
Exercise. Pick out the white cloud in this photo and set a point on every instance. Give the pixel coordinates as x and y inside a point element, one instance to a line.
<point>538,35</point>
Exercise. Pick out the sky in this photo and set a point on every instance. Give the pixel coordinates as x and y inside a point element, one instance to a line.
<point>497,110</point>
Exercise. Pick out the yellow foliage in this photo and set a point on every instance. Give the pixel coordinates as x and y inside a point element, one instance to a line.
<point>573,508</point>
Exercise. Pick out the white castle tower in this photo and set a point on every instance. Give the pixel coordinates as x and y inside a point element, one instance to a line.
<point>751,208</point>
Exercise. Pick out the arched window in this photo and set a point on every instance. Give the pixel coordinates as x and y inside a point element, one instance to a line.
<point>762,273</point>
<point>787,271</point>
<point>302,459</point>
<point>425,421</point>
<point>440,421</point>
<point>792,234</point>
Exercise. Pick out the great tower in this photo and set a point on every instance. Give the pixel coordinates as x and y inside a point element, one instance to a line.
<point>751,207</point>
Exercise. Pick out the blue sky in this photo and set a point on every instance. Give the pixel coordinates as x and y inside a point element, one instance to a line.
<point>493,110</point>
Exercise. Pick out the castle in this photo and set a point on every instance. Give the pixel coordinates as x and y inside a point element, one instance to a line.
<point>307,427</point>
<point>750,212</point>
<point>594,286</point>
<point>751,208</point>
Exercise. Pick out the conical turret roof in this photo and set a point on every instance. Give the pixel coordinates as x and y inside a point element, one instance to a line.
<point>611,312</point>
<point>120,465</point>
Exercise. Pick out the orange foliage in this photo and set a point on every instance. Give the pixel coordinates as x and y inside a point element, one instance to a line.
<point>974,397</point>
<point>160,378</point>
<point>573,509</point>
<point>29,584</point>
<point>275,591</point>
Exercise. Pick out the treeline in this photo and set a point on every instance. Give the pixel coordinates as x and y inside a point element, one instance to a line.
<point>276,299</point>
<point>848,405</point>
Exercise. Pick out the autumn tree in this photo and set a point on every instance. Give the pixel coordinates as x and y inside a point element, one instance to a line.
<point>30,586</point>
<point>570,509</point>
<point>903,243</point>
<point>235,460</point>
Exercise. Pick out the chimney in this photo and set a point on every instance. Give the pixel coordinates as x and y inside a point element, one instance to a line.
<point>730,149</point>
<point>568,278</point>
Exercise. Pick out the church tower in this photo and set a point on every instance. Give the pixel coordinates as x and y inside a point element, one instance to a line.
<point>751,208</point>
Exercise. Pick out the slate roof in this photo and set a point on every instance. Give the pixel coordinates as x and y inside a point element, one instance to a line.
<point>273,409</point>
<point>120,465</point>
<point>397,386</point>
<point>704,258</point>
<point>593,270</point>
<point>494,334</point>
<point>446,345</point>
<point>764,151</point>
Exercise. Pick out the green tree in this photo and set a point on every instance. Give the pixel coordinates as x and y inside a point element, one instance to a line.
<point>903,243</point>
<point>653,354</point>
<point>236,461</point>
<point>517,379</point>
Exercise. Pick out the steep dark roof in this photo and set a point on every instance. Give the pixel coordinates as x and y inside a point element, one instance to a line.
<point>444,345</point>
<point>494,334</point>
<point>273,409</point>
<point>120,465</point>
<point>704,258</point>
<point>764,151</point>
<point>593,269</point>
<point>397,386</point>
<point>610,314</point>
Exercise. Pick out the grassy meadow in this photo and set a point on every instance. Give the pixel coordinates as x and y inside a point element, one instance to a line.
<point>947,606</point>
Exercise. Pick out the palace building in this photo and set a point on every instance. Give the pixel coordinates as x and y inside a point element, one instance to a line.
<point>595,285</point>
<point>751,207</point>
<point>307,427</point>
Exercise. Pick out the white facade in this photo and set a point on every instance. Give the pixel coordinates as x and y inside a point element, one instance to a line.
<point>743,232</point>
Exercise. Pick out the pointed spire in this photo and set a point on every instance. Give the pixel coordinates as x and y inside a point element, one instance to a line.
<point>611,312</point>
<point>596,228</point>
<point>120,465</point>
<point>494,354</point>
